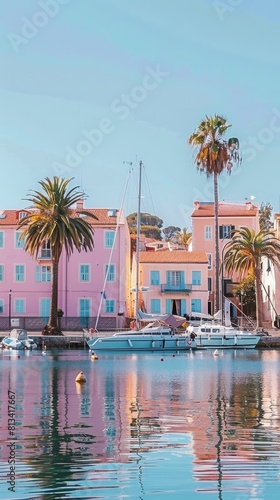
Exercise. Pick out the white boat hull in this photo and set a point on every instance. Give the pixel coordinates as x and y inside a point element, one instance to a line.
<point>216,341</point>
<point>141,343</point>
<point>18,340</point>
<point>216,336</point>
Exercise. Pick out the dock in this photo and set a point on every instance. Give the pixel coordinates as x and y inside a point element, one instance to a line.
<point>77,340</point>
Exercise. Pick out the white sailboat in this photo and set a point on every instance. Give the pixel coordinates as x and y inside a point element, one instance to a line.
<point>155,336</point>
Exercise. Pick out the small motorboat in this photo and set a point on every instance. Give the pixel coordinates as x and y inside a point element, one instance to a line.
<point>18,339</point>
<point>217,336</point>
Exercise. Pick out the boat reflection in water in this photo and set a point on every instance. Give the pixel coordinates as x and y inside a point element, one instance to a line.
<point>194,423</point>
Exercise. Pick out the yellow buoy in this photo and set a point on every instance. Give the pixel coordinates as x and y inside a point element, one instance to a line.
<point>93,356</point>
<point>81,379</point>
<point>216,352</point>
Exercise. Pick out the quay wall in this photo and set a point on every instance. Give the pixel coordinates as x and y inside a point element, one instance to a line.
<point>76,341</point>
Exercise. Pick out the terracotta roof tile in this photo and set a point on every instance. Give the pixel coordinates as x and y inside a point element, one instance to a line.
<point>175,256</point>
<point>11,217</point>
<point>203,209</point>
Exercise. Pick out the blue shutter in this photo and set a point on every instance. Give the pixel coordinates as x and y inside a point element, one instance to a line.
<point>183,307</point>
<point>196,277</point>
<point>155,306</point>
<point>196,305</point>
<point>37,274</point>
<point>168,305</point>
<point>168,279</point>
<point>182,280</point>
<point>154,278</point>
<point>45,308</point>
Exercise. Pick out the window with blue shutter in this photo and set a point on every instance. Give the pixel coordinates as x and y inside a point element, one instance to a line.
<point>175,279</point>
<point>110,273</point>
<point>196,305</point>
<point>84,311</point>
<point>225,232</point>
<point>155,306</point>
<point>154,278</point>
<point>1,239</point>
<point>110,306</point>
<point>45,308</point>
<point>196,277</point>
<point>19,272</point>
<point>19,242</point>
<point>19,306</point>
<point>84,272</point>
<point>84,307</point>
<point>109,239</point>
<point>1,273</point>
<point>46,274</point>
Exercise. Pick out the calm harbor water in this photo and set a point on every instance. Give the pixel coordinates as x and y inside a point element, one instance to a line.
<point>143,426</point>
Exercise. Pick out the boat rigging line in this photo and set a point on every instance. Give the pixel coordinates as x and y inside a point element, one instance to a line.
<point>112,248</point>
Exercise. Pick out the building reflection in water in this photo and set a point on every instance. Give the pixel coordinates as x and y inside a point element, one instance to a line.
<point>228,406</point>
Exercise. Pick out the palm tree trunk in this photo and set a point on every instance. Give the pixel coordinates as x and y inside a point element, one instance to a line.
<point>217,255</point>
<point>54,297</point>
<point>259,302</point>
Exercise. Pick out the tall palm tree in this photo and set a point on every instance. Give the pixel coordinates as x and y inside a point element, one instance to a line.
<point>244,253</point>
<point>215,155</point>
<point>52,220</point>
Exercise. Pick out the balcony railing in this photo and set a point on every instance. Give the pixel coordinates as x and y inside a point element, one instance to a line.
<point>167,288</point>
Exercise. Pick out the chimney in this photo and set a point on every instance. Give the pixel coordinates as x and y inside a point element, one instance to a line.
<point>80,205</point>
<point>249,205</point>
<point>196,205</point>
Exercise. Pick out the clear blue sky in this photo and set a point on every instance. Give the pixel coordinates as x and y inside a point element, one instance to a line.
<point>88,84</point>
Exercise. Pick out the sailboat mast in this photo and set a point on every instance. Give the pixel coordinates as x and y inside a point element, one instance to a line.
<point>138,246</point>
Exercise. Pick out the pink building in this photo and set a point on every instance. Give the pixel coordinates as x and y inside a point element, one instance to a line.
<point>91,284</point>
<point>271,285</point>
<point>176,281</point>
<point>231,216</point>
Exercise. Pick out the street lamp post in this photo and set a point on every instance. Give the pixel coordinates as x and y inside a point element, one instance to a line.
<point>222,288</point>
<point>10,306</point>
<point>241,294</point>
<point>228,235</point>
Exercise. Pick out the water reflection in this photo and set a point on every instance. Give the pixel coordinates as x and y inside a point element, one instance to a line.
<point>140,427</point>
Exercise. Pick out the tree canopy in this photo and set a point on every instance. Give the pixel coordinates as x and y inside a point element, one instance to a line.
<point>53,221</point>
<point>150,225</point>
<point>244,255</point>
<point>170,231</point>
